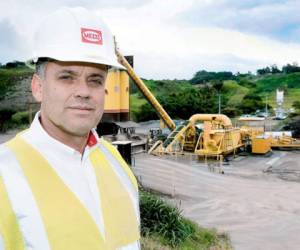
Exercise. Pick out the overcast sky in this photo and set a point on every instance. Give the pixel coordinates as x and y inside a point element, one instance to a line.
<point>175,38</point>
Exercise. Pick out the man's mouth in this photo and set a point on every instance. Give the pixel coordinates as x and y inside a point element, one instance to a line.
<point>81,108</point>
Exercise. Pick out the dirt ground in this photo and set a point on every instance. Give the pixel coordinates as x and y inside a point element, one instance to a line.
<point>256,200</point>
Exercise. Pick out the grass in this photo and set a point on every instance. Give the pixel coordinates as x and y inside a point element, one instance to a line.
<point>234,92</point>
<point>290,96</point>
<point>200,240</point>
<point>289,82</point>
<point>10,119</point>
<point>9,77</point>
<point>272,82</point>
<point>163,227</point>
<point>265,86</point>
<point>152,243</point>
<point>135,104</point>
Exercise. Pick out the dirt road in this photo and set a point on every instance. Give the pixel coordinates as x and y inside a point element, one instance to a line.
<point>259,210</point>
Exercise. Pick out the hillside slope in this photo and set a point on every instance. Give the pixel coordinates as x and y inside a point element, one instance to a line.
<point>15,92</point>
<point>234,93</point>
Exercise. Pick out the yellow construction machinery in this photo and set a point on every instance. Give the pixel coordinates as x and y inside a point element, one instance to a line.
<point>262,141</point>
<point>203,134</point>
<point>207,135</point>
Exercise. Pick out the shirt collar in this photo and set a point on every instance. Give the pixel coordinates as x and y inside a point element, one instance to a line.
<point>41,137</point>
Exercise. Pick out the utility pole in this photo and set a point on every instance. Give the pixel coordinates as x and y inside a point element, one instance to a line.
<point>219,102</point>
<point>217,85</point>
<point>266,109</point>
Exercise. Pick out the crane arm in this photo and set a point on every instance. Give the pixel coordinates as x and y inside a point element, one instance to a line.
<point>146,92</point>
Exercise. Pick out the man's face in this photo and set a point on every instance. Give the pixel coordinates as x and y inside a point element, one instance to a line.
<point>71,96</point>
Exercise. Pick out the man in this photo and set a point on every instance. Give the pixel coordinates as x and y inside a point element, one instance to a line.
<point>62,187</point>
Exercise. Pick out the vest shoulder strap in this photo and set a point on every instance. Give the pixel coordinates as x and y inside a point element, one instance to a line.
<point>121,218</point>
<point>120,159</point>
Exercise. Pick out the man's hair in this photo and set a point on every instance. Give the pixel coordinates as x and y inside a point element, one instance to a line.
<point>40,66</point>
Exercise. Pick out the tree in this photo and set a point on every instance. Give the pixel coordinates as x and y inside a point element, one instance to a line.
<point>288,69</point>
<point>181,103</point>
<point>146,113</point>
<point>231,111</point>
<point>296,105</point>
<point>203,76</point>
<point>264,71</point>
<point>251,103</point>
<point>274,69</point>
<point>14,64</point>
<point>217,85</point>
<point>246,83</point>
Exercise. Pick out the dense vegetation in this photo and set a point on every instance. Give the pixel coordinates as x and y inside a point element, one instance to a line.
<point>240,93</point>
<point>163,227</point>
<point>10,73</point>
<point>181,100</point>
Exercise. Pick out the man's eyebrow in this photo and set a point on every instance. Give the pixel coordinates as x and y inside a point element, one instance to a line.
<point>74,73</point>
<point>68,71</point>
<point>96,75</point>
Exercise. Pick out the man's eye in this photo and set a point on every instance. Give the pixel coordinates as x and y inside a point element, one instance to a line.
<point>66,77</point>
<point>96,81</point>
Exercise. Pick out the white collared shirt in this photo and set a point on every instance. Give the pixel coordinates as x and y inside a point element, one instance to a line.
<point>74,169</point>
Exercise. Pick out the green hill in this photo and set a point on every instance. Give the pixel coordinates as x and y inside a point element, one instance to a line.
<point>234,92</point>
<point>241,94</point>
<point>9,77</point>
<point>290,83</point>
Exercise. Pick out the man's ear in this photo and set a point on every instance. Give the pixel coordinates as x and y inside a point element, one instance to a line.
<point>36,87</point>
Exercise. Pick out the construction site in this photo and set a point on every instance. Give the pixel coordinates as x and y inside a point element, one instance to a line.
<point>243,180</point>
<point>200,98</point>
<point>237,177</point>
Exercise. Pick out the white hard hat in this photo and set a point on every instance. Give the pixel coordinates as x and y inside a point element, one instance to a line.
<point>74,34</point>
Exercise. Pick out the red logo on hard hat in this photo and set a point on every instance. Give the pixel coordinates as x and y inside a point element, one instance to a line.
<point>91,36</point>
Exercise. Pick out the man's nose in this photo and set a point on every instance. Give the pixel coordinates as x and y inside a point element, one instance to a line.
<point>82,89</point>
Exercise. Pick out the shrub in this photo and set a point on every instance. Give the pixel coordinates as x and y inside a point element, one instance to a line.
<point>159,218</point>
<point>165,223</point>
<point>20,118</point>
<point>231,111</point>
<point>5,116</point>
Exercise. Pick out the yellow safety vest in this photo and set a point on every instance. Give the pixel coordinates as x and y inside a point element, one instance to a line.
<point>68,224</point>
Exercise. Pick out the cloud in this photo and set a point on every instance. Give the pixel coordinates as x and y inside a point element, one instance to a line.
<point>269,18</point>
<point>11,45</point>
<point>175,38</point>
<point>170,48</point>
<point>163,66</point>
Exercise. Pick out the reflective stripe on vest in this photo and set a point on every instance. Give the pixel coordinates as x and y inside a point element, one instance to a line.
<point>120,220</point>
<point>67,222</point>
<point>9,228</point>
